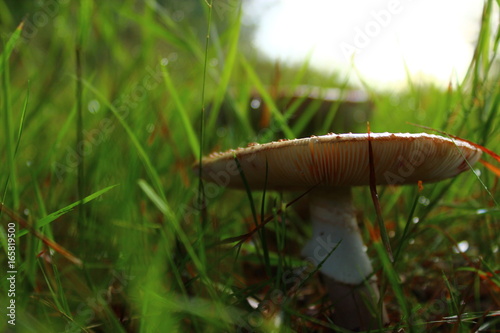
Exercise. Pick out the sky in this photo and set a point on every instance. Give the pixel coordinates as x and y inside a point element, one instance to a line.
<point>380,41</point>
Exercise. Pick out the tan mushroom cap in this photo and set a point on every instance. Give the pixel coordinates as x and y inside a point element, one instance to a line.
<point>342,160</point>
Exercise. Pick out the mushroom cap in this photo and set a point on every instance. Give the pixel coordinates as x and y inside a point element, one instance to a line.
<point>341,160</point>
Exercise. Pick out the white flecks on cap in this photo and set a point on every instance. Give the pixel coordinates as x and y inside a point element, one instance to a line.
<point>342,160</point>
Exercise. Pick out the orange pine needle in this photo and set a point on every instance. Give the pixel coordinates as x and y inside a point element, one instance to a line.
<point>491,167</point>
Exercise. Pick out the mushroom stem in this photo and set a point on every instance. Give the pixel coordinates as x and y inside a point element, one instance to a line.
<point>347,270</point>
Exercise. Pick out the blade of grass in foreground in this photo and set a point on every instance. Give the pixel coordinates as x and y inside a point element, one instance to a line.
<point>34,245</point>
<point>19,135</point>
<point>263,230</point>
<point>252,208</point>
<point>57,293</point>
<point>155,178</point>
<point>453,302</point>
<point>227,70</point>
<point>55,215</point>
<point>405,235</point>
<point>266,97</point>
<point>376,203</point>
<point>390,273</point>
<point>50,243</point>
<point>23,117</point>
<point>198,307</point>
<point>167,211</point>
<point>201,189</point>
<point>8,126</point>
<point>181,112</point>
<point>9,46</point>
<point>79,138</point>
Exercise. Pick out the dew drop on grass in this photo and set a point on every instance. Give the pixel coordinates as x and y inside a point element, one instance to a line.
<point>255,103</point>
<point>164,62</point>
<point>424,200</point>
<point>213,62</point>
<point>463,246</point>
<point>477,172</point>
<point>253,302</point>
<point>494,249</point>
<point>481,211</point>
<point>415,220</point>
<point>29,163</point>
<point>26,212</point>
<point>94,106</point>
<point>411,241</point>
<point>150,127</point>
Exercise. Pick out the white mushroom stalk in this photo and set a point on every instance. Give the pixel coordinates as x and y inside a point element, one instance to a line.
<point>335,237</point>
<point>332,164</point>
<point>348,272</point>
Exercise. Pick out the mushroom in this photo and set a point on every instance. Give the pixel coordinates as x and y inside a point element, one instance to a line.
<point>331,165</point>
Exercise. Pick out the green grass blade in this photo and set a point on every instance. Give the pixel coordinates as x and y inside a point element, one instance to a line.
<point>155,178</point>
<point>9,46</point>
<point>453,302</point>
<point>248,191</point>
<point>268,100</point>
<point>19,132</point>
<point>55,215</point>
<point>391,274</point>
<point>405,235</point>
<point>79,136</point>
<point>229,63</point>
<point>84,23</point>
<point>56,293</point>
<point>8,127</point>
<point>181,112</point>
<point>168,30</point>
<point>494,107</point>
<point>262,231</point>
<point>23,117</point>
<point>335,107</point>
<point>167,211</point>
<point>307,115</point>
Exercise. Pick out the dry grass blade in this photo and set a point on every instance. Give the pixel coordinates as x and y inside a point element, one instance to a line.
<point>376,202</point>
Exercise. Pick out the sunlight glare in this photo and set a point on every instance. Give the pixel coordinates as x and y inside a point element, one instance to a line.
<point>433,40</point>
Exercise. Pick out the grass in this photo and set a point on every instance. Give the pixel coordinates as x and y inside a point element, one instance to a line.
<point>96,161</point>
